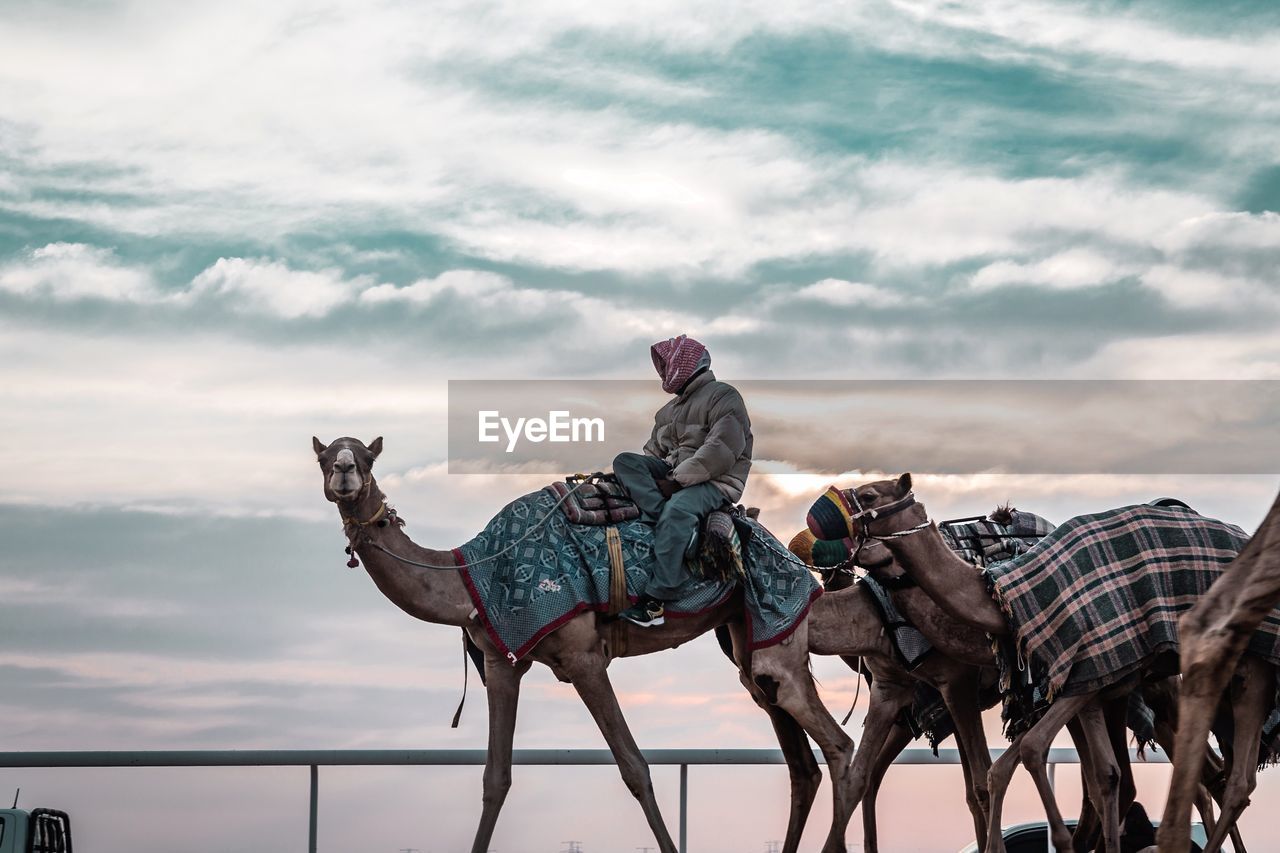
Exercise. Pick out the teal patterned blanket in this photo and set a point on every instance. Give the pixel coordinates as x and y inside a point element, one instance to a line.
<point>562,569</point>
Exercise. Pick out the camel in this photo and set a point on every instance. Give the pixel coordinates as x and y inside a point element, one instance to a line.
<point>845,622</point>
<point>890,513</point>
<point>1213,636</point>
<point>967,645</point>
<point>425,584</point>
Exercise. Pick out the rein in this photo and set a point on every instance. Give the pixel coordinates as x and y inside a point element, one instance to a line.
<point>386,515</point>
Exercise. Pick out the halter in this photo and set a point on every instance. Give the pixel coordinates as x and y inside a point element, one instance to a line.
<point>355,528</point>
<point>877,513</point>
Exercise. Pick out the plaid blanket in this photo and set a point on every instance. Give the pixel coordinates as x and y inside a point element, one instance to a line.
<point>1098,599</point>
<point>562,569</point>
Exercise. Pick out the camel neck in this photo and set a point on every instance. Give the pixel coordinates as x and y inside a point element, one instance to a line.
<point>432,595</point>
<point>956,586</point>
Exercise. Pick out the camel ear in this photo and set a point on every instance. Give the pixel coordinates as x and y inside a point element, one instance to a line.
<point>904,484</point>
<point>375,447</point>
<point>318,445</point>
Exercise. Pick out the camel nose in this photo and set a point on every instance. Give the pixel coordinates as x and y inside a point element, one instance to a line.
<point>344,467</point>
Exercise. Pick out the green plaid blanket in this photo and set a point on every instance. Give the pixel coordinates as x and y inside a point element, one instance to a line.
<point>562,569</point>
<point>1099,598</point>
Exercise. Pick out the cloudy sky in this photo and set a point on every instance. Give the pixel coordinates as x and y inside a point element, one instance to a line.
<point>227,227</point>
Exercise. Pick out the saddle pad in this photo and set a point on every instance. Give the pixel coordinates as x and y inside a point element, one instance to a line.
<point>558,570</point>
<point>912,646</point>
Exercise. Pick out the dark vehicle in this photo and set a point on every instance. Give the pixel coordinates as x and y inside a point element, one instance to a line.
<point>35,831</point>
<point>1034,838</point>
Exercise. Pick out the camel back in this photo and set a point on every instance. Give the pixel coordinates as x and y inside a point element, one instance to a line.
<point>1099,599</point>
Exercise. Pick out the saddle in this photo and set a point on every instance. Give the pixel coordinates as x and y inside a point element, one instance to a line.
<point>599,500</point>
<point>988,539</point>
<point>594,499</point>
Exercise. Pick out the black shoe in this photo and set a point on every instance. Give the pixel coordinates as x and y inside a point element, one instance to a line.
<point>647,613</point>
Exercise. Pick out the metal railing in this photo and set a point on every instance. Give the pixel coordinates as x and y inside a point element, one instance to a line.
<point>317,758</point>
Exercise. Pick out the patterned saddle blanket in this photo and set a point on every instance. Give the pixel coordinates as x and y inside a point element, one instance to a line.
<point>530,570</point>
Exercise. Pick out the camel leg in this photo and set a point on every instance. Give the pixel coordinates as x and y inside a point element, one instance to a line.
<point>975,787</point>
<point>1032,749</point>
<point>1163,699</point>
<point>887,700</point>
<point>1251,697</point>
<point>803,768</point>
<point>961,697</point>
<point>782,672</point>
<point>1212,637</point>
<point>1105,771</point>
<point>587,673</point>
<point>899,737</point>
<point>806,776</point>
<point>998,778</point>
<point>1089,825</point>
<point>503,692</point>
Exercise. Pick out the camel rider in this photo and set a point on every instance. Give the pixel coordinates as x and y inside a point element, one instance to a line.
<point>696,461</point>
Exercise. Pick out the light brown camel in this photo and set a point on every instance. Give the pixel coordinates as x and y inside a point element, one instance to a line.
<point>1213,636</point>
<point>433,591</point>
<point>971,646</point>
<point>960,591</point>
<point>845,622</point>
<point>965,643</point>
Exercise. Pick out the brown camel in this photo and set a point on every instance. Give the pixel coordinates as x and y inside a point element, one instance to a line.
<point>959,590</point>
<point>965,644</point>
<point>968,645</point>
<point>845,622</point>
<point>425,584</point>
<point>1213,636</point>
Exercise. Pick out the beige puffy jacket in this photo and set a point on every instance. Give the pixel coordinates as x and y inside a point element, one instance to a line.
<point>705,435</point>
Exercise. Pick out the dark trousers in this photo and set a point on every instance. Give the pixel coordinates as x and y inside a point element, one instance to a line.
<point>675,519</point>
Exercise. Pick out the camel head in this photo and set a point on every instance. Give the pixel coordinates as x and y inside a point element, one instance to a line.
<point>884,507</point>
<point>347,466</point>
<point>845,513</point>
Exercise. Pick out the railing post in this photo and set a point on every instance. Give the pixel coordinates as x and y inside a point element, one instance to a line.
<point>684,808</point>
<point>1052,772</point>
<point>315,791</point>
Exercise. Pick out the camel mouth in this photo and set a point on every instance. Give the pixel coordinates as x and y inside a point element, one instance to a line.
<point>345,486</point>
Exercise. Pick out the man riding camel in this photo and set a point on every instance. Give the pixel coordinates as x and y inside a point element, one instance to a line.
<point>696,461</point>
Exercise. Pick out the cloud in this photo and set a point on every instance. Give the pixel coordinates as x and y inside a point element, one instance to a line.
<point>848,294</point>
<point>272,287</point>
<point>469,283</point>
<point>67,272</point>
<point>1069,269</point>
<point>1128,37</point>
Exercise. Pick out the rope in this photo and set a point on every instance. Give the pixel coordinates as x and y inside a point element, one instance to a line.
<point>792,558</point>
<point>526,535</point>
<point>921,526</point>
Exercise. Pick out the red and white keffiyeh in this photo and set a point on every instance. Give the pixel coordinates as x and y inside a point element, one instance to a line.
<point>676,360</point>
